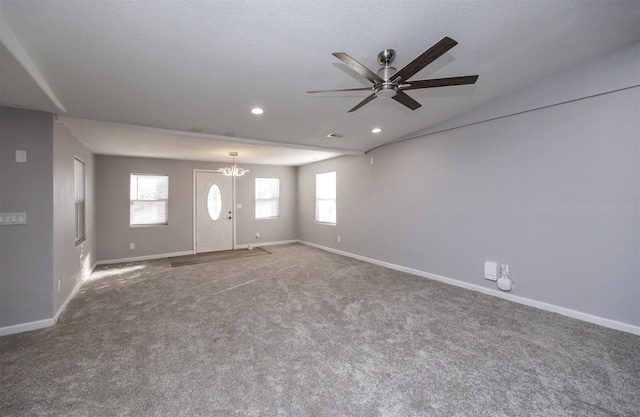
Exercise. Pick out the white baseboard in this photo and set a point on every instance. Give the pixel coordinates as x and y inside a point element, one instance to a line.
<point>191,252</point>
<point>35,325</point>
<point>68,300</point>
<point>601,321</point>
<point>25,327</point>
<point>143,258</point>
<point>257,245</point>
<point>613,324</point>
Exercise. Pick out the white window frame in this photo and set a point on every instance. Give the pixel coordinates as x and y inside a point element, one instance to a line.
<point>133,199</point>
<point>271,199</point>
<point>324,198</point>
<point>79,179</point>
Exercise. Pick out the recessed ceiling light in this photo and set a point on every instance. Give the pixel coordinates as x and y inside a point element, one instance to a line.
<point>376,130</point>
<point>257,110</point>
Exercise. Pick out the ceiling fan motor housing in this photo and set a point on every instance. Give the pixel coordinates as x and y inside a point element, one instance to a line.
<point>386,72</point>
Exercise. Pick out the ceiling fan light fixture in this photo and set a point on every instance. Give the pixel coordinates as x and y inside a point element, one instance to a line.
<point>387,90</point>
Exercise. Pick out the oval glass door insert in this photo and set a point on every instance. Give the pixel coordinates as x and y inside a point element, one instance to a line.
<point>214,202</point>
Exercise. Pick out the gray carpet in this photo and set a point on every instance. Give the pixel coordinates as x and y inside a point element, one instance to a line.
<point>304,332</point>
<point>225,255</point>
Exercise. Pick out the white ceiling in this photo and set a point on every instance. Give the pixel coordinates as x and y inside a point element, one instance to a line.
<point>139,78</point>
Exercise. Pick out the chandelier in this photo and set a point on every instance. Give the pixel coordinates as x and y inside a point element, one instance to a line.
<point>234,170</point>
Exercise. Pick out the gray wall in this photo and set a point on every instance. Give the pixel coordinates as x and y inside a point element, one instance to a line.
<point>271,230</point>
<point>112,207</point>
<point>26,251</point>
<point>71,264</point>
<point>552,192</point>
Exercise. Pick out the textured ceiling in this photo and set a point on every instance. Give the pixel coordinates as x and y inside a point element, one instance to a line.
<point>201,66</point>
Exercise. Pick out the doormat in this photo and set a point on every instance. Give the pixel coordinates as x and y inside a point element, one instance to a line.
<point>224,255</point>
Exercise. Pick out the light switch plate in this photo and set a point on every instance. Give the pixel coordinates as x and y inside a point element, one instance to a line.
<point>7,219</point>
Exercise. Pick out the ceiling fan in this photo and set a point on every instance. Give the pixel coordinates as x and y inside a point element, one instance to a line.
<point>388,82</point>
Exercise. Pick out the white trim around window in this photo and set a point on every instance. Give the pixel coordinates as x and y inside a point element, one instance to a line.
<point>267,198</point>
<point>149,200</point>
<point>326,202</point>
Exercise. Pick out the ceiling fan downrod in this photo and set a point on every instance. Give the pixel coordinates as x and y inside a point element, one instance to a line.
<point>385,58</point>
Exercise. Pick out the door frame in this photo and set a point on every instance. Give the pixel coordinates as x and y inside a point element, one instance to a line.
<point>233,206</point>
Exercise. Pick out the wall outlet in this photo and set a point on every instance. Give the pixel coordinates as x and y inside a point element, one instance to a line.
<point>339,239</point>
<point>505,283</point>
<point>58,285</point>
<point>132,245</point>
<point>257,235</point>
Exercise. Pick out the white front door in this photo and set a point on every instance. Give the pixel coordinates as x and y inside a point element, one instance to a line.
<point>213,216</point>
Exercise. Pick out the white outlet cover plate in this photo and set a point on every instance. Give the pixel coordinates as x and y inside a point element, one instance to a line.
<point>21,156</point>
<point>491,271</point>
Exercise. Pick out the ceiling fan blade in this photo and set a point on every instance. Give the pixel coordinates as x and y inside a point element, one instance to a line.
<point>425,59</point>
<point>342,89</point>
<point>358,67</point>
<point>439,82</point>
<point>404,98</point>
<point>363,102</point>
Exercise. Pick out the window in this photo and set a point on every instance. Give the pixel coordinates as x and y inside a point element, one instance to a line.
<point>149,199</point>
<point>267,198</point>
<point>78,185</point>
<point>214,202</point>
<point>326,198</point>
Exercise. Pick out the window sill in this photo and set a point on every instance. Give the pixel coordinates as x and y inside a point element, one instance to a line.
<point>135,226</point>
<point>326,224</point>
